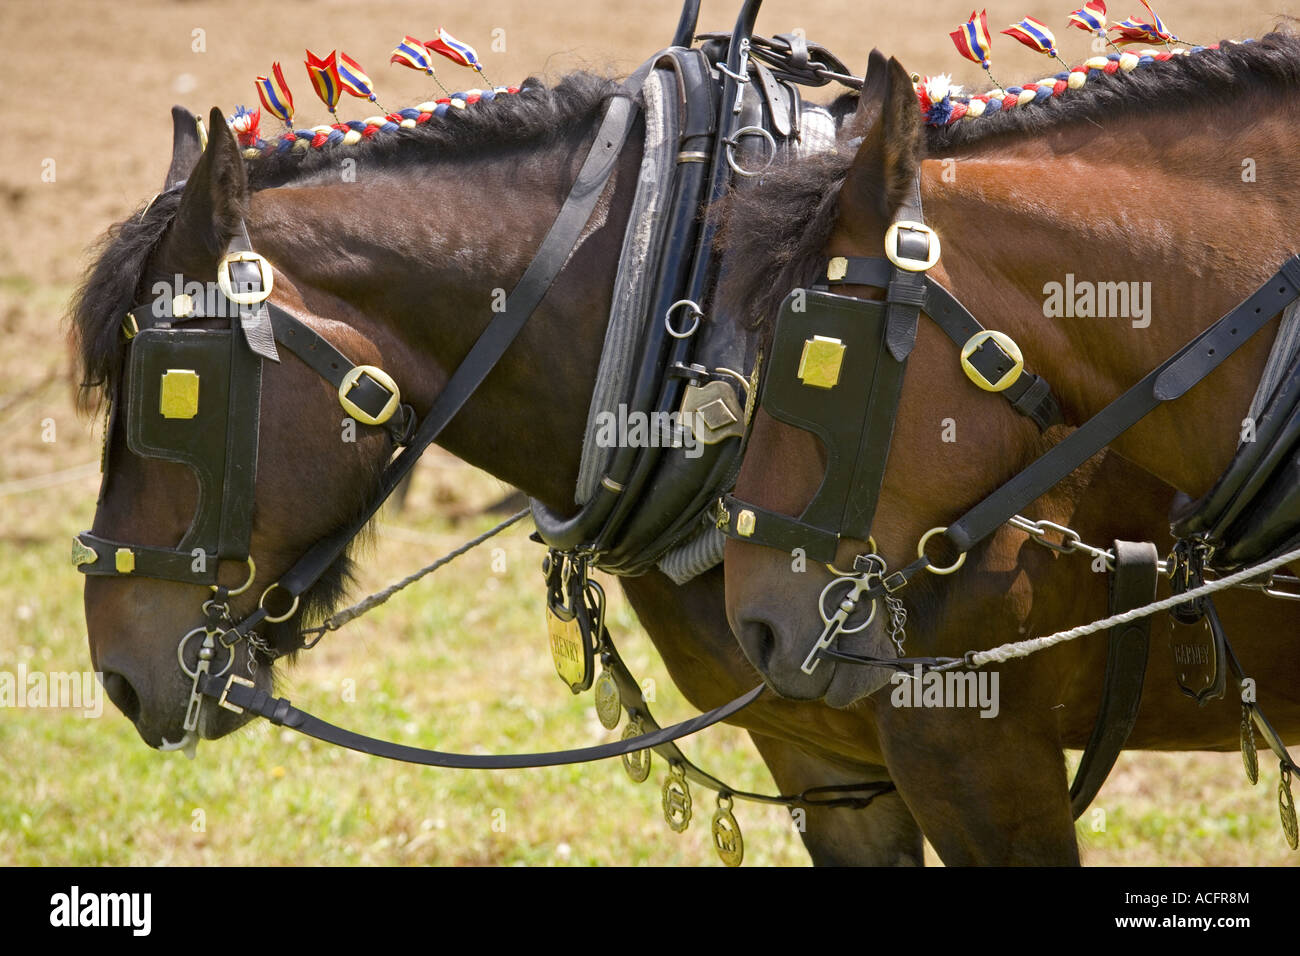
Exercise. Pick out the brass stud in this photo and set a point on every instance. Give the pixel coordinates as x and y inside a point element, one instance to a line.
<point>821,361</point>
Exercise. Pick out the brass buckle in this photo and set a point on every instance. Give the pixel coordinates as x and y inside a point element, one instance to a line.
<point>356,411</point>
<point>903,262</point>
<point>130,327</point>
<point>1002,341</point>
<point>227,287</point>
<point>233,679</point>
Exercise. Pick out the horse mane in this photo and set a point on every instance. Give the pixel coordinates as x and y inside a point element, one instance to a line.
<point>775,233</point>
<point>1200,78</point>
<point>535,117</point>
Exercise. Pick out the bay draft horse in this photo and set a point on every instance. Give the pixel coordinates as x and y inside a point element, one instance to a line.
<point>1138,177</point>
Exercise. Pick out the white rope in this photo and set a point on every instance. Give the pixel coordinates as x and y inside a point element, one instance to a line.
<point>1006,652</point>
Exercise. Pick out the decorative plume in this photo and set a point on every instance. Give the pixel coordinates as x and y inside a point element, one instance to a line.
<point>456,51</point>
<point>1034,35</point>
<point>974,43</point>
<point>1091,18</point>
<point>324,75</point>
<point>244,124</point>
<point>413,54</point>
<point>355,80</point>
<point>1134,30</point>
<point>275,96</point>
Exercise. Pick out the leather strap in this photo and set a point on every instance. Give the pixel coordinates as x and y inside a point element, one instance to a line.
<point>1132,585</point>
<point>1171,379</point>
<point>279,711</point>
<point>1029,395</point>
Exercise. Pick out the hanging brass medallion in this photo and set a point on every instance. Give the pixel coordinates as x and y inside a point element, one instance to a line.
<point>677,799</point>
<point>609,703</point>
<point>1286,808</point>
<point>726,834</point>
<point>1248,755</point>
<point>637,763</point>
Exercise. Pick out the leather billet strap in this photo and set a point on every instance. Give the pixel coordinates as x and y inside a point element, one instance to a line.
<point>234,693</point>
<point>1029,395</point>
<point>1132,585</point>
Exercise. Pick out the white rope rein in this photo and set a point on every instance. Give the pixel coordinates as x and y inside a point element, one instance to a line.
<point>1006,652</point>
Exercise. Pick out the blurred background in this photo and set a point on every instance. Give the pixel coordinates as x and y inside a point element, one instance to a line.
<point>460,662</point>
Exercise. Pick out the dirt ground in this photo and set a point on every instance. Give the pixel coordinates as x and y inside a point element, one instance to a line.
<point>88,135</point>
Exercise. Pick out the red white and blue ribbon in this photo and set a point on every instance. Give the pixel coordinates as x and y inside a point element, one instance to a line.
<point>275,96</point>
<point>1134,30</point>
<point>1034,35</point>
<point>1091,17</point>
<point>415,55</point>
<point>974,43</point>
<point>355,80</point>
<point>455,50</point>
<point>324,76</point>
<point>972,39</point>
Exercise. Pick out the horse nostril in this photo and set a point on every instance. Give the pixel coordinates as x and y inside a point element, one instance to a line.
<point>122,694</point>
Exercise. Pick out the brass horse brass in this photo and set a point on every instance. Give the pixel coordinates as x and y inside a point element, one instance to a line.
<point>566,648</point>
<point>819,365</point>
<point>178,397</point>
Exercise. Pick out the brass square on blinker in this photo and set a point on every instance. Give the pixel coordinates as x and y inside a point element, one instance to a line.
<point>819,365</point>
<point>179,393</point>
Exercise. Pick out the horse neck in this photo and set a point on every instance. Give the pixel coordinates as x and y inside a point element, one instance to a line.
<point>420,259</point>
<point>1167,214</point>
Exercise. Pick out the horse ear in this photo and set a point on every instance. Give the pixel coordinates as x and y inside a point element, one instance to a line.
<point>186,148</point>
<point>871,97</point>
<point>888,120</point>
<point>213,205</point>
